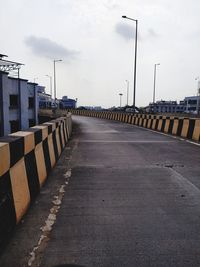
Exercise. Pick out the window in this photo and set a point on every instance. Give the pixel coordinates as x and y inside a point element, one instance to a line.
<point>14,126</point>
<point>14,101</point>
<point>31,102</point>
<point>192,102</point>
<point>31,122</point>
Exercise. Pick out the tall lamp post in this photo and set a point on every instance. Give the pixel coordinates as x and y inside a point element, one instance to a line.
<point>135,59</point>
<point>54,73</point>
<point>198,93</point>
<point>154,82</point>
<point>127,90</point>
<point>34,79</point>
<point>50,83</point>
<point>120,99</point>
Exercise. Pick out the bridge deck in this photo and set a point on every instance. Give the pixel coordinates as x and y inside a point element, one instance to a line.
<point>133,199</point>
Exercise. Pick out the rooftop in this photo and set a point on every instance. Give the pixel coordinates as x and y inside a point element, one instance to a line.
<point>7,65</point>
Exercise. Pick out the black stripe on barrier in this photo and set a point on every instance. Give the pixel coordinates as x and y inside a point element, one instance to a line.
<point>46,155</point>
<point>156,125</point>
<point>56,122</point>
<point>37,135</point>
<point>50,127</point>
<point>163,125</point>
<point>180,127</point>
<point>32,174</point>
<point>171,124</point>
<point>191,128</point>
<point>151,123</point>
<point>55,145</point>
<point>16,146</point>
<point>7,209</point>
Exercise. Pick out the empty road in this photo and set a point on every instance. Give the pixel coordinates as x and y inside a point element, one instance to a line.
<point>132,198</point>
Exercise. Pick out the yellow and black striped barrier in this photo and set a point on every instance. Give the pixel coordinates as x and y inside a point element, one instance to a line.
<point>26,158</point>
<point>188,128</point>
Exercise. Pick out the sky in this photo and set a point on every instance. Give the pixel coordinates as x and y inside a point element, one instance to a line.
<point>96,46</point>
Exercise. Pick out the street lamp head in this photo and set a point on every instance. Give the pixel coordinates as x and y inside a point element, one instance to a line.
<point>124,17</point>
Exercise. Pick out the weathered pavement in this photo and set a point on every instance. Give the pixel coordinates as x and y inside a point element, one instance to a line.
<point>133,199</point>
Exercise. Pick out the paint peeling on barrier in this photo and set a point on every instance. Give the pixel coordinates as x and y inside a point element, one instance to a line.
<point>35,254</point>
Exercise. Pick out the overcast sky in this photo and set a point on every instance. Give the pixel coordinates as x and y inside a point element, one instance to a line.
<point>97,46</point>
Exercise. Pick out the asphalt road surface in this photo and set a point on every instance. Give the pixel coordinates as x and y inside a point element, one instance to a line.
<point>132,198</point>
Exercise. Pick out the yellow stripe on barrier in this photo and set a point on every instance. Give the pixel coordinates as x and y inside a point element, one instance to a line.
<point>20,189</point>
<point>4,158</point>
<point>40,162</point>
<point>185,128</point>
<point>29,140</point>
<point>196,132</point>
<point>160,124</point>
<point>175,127</point>
<point>58,141</point>
<point>167,123</point>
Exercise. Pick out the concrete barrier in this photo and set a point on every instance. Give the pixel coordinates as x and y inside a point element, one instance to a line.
<point>188,128</point>
<point>26,158</point>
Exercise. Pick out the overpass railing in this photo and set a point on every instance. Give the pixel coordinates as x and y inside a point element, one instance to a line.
<point>188,128</point>
<point>26,158</point>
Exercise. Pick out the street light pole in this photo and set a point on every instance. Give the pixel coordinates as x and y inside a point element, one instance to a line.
<point>120,99</point>
<point>154,83</point>
<point>127,90</point>
<point>54,73</point>
<point>198,94</point>
<point>50,83</point>
<point>135,59</point>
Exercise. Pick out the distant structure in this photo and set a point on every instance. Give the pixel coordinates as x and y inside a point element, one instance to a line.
<point>67,103</point>
<point>45,100</point>
<point>167,107</point>
<point>18,99</point>
<point>190,104</point>
<point>97,108</point>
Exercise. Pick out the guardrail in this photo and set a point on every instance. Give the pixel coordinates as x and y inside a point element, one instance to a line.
<point>179,126</point>
<point>26,158</point>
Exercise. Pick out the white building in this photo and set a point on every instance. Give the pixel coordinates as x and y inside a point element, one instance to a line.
<point>167,107</point>
<point>18,100</point>
<point>192,104</point>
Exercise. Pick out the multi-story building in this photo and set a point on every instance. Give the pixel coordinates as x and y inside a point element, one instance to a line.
<point>45,100</point>
<point>18,100</point>
<point>66,103</point>
<point>192,104</point>
<point>167,107</point>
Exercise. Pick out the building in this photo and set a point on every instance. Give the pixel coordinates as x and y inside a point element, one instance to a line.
<point>96,108</point>
<point>67,103</point>
<point>18,99</point>
<point>167,107</point>
<point>192,104</point>
<point>44,100</point>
